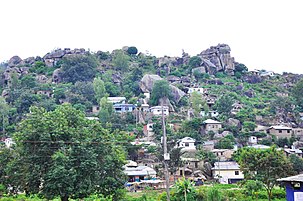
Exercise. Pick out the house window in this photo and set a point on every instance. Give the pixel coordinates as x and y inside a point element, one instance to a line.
<point>280,131</point>
<point>288,131</point>
<point>97,108</point>
<point>181,172</point>
<point>196,164</point>
<point>186,144</point>
<point>236,172</point>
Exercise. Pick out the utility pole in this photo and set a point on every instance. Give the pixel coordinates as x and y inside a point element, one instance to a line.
<point>166,158</point>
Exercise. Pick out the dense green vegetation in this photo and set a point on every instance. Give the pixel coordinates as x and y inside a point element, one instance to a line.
<point>59,153</point>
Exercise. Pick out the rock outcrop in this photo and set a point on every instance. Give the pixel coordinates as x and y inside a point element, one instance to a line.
<point>217,58</point>
<point>148,81</point>
<point>14,61</point>
<point>53,57</point>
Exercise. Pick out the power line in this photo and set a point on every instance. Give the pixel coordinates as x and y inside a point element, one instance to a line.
<point>70,142</point>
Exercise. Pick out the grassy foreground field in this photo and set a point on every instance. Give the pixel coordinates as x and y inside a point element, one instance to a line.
<point>218,192</point>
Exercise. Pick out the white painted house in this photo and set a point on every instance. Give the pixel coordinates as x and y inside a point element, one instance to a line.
<point>253,140</point>
<point>199,90</point>
<point>227,172</point>
<point>211,113</point>
<point>9,142</point>
<point>187,144</point>
<point>157,110</point>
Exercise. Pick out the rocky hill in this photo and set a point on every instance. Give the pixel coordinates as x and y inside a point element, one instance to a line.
<point>237,95</point>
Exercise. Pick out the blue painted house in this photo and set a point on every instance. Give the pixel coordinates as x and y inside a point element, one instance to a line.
<point>294,187</point>
<point>124,107</point>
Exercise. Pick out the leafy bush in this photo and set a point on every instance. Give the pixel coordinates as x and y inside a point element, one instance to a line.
<point>132,50</point>
<point>194,61</point>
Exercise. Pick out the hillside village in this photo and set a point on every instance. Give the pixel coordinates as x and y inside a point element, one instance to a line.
<point>215,106</point>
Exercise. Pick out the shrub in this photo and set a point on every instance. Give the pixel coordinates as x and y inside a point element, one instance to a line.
<point>132,50</point>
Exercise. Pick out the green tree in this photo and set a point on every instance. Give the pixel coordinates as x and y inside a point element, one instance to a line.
<point>265,165</point>
<point>297,92</point>
<point>185,190</point>
<point>240,69</point>
<point>79,68</point>
<point>297,163</point>
<point>99,89</point>
<point>4,111</point>
<point>71,156</point>
<point>197,102</point>
<point>175,160</point>
<point>106,111</point>
<point>85,89</point>
<point>252,188</point>
<point>194,61</point>
<point>160,90</point>
<point>121,60</point>
<point>224,143</point>
<point>132,50</point>
<point>206,156</point>
<point>28,81</point>
<point>224,104</point>
<point>249,126</point>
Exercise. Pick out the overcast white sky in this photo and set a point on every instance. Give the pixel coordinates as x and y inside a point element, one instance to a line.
<point>262,34</point>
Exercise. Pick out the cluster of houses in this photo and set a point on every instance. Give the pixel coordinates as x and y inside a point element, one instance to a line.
<point>224,170</point>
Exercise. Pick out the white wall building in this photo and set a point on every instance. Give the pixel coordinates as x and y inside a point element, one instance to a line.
<point>157,110</point>
<point>199,90</point>
<point>187,144</point>
<point>253,140</point>
<point>8,142</point>
<point>227,172</point>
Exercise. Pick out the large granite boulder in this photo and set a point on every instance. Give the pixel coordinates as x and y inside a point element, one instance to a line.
<point>56,78</point>
<point>200,70</point>
<point>42,79</point>
<point>250,93</point>
<point>217,58</point>
<point>234,122</point>
<point>252,79</point>
<point>29,60</point>
<point>14,61</point>
<point>148,81</point>
<point>55,54</point>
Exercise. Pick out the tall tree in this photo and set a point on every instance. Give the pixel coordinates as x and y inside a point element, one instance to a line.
<point>265,165</point>
<point>4,110</point>
<point>297,92</point>
<point>64,154</point>
<point>197,103</point>
<point>79,68</point>
<point>225,104</point>
<point>160,90</point>
<point>99,89</point>
<point>106,110</point>
<point>121,60</point>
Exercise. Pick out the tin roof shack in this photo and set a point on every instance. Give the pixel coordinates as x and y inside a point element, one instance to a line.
<point>208,145</point>
<point>121,108</point>
<point>227,172</point>
<point>280,131</point>
<point>294,187</point>
<point>223,154</point>
<point>137,173</point>
<point>293,150</point>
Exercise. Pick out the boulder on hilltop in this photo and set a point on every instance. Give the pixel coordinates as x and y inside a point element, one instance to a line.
<point>148,81</point>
